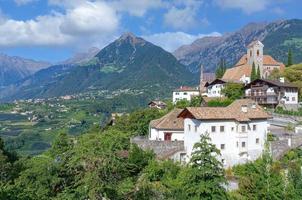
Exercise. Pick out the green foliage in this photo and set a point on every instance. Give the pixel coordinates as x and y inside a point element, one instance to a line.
<point>182,104</point>
<point>294,75</point>
<point>233,90</point>
<point>289,58</point>
<point>280,110</point>
<point>275,75</point>
<point>220,103</point>
<point>205,177</point>
<point>258,75</point>
<point>196,101</point>
<point>220,70</point>
<point>137,123</point>
<point>253,73</point>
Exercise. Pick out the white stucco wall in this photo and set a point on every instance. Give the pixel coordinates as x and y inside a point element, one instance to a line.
<point>187,95</point>
<point>232,154</point>
<point>215,90</point>
<point>290,96</point>
<point>159,134</point>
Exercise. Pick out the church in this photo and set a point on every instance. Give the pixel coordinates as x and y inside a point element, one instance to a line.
<point>242,70</point>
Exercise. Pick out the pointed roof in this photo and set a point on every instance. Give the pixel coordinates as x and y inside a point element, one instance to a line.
<point>254,43</point>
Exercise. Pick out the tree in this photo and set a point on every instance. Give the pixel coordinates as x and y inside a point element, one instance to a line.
<point>275,74</point>
<point>220,70</point>
<point>289,58</point>
<point>258,73</point>
<point>253,73</point>
<point>205,177</point>
<point>233,90</point>
<point>196,101</point>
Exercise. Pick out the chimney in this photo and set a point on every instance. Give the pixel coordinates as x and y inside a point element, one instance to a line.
<point>282,80</point>
<point>244,108</point>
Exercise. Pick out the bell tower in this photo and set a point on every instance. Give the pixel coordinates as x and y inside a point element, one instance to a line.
<point>255,55</point>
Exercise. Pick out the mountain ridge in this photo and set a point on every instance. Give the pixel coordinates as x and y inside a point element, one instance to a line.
<point>231,46</point>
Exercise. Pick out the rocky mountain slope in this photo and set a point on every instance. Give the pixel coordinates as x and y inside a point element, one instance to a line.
<point>13,68</point>
<point>277,37</point>
<point>128,63</point>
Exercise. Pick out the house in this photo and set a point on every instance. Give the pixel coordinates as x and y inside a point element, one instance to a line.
<point>272,93</point>
<point>214,88</point>
<point>242,70</point>
<point>184,93</point>
<point>168,127</point>
<point>239,130</point>
<point>157,104</point>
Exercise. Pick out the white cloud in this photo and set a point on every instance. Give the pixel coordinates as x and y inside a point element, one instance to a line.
<point>137,7</point>
<point>79,24</point>
<point>182,15</point>
<point>247,6</point>
<point>23,2</point>
<point>170,41</point>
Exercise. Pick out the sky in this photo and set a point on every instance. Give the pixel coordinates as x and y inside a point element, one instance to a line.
<point>54,30</point>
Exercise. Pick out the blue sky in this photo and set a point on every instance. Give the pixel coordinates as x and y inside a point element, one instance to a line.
<point>54,30</point>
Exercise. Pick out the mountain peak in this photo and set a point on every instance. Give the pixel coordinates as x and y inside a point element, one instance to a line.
<point>130,37</point>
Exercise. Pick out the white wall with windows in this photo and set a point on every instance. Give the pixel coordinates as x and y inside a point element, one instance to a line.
<point>184,95</point>
<point>290,96</point>
<point>215,90</point>
<point>238,142</point>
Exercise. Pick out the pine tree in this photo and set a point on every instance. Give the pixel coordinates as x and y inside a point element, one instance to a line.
<point>289,58</point>
<point>206,178</point>
<point>254,73</point>
<point>220,70</point>
<point>258,73</point>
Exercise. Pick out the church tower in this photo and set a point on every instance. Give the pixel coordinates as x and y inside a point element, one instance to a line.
<point>255,55</point>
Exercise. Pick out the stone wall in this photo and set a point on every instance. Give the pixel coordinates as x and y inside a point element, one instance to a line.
<point>280,147</point>
<point>162,149</point>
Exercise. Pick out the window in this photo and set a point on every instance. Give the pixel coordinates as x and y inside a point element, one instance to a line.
<point>232,128</point>
<point>196,128</point>
<point>293,99</point>
<point>257,140</point>
<point>189,127</point>
<point>251,53</point>
<point>243,129</point>
<point>222,146</point>
<point>213,129</point>
<point>167,136</point>
<point>221,128</point>
<point>185,93</point>
<point>258,52</point>
<point>177,93</point>
<point>237,144</point>
<point>254,127</point>
<point>223,161</point>
<point>243,144</point>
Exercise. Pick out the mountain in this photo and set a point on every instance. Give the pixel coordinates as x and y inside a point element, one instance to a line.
<point>277,38</point>
<point>129,62</point>
<point>82,57</point>
<point>13,68</point>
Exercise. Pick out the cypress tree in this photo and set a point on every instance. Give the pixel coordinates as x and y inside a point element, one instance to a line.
<point>289,58</point>
<point>220,70</point>
<point>253,73</point>
<point>258,73</point>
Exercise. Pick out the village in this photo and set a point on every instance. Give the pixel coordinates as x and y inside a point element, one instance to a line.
<point>242,130</point>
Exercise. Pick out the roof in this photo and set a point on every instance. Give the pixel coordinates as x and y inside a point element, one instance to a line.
<point>254,42</point>
<point>169,121</point>
<point>222,81</point>
<point>186,88</point>
<point>208,99</point>
<point>231,112</point>
<point>237,72</point>
<point>271,82</point>
<point>157,102</point>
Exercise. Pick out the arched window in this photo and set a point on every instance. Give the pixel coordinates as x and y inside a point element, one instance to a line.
<point>251,53</point>
<point>258,52</point>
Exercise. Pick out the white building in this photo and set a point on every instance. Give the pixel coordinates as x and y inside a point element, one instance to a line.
<point>185,93</point>
<point>168,127</point>
<point>239,130</point>
<point>214,89</point>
